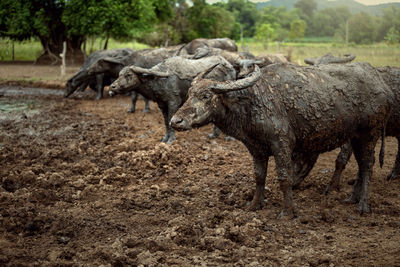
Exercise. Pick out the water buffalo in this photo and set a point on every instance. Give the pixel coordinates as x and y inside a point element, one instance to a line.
<point>146,58</point>
<point>294,113</point>
<point>330,59</point>
<point>196,45</point>
<point>82,78</point>
<point>168,82</point>
<point>391,76</point>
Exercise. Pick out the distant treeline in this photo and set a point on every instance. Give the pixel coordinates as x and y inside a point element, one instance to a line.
<point>169,22</point>
<point>241,18</point>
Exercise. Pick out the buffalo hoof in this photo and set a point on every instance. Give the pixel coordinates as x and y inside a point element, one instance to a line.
<point>352,199</point>
<point>146,110</point>
<point>212,136</point>
<point>363,207</point>
<point>286,213</point>
<point>329,187</point>
<point>229,138</point>
<point>131,111</point>
<point>255,205</point>
<point>392,176</point>
<point>99,97</point>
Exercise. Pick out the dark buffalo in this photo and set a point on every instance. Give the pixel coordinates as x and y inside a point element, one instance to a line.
<point>167,83</point>
<point>147,58</point>
<point>391,76</point>
<point>295,113</point>
<point>82,78</point>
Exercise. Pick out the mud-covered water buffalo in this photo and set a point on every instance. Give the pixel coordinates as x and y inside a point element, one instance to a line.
<point>391,76</point>
<point>168,82</point>
<point>294,113</point>
<point>196,45</point>
<point>146,58</point>
<point>81,79</point>
<point>330,59</point>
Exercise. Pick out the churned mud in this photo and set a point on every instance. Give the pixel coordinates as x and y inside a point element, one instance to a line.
<point>82,182</point>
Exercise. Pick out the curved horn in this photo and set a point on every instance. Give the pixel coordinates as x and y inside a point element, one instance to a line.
<point>177,53</point>
<point>149,71</point>
<point>238,84</point>
<point>345,59</point>
<point>206,72</point>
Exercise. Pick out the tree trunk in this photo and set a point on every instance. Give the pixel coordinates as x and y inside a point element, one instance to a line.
<point>53,47</point>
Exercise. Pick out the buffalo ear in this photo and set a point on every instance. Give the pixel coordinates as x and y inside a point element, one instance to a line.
<point>111,60</point>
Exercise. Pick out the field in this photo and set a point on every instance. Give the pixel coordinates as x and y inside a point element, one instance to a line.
<point>83,183</point>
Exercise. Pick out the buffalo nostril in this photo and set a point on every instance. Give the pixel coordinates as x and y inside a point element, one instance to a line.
<point>176,120</point>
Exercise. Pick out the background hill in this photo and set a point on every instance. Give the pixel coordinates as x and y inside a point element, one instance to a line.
<point>353,6</point>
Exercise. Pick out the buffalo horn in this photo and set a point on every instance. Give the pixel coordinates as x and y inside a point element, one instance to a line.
<point>149,71</point>
<point>238,84</point>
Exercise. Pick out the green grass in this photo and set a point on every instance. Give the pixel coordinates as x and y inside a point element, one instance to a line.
<point>30,50</point>
<point>27,50</point>
<point>378,55</point>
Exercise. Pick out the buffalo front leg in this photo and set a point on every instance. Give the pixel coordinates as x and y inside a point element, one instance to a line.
<point>260,173</point>
<point>168,111</point>
<point>215,133</point>
<point>134,95</point>
<point>146,105</point>
<point>284,168</point>
<point>395,173</point>
<point>340,164</point>
<point>99,86</point>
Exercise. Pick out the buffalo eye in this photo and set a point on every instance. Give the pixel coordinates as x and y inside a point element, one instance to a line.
<point>206,96</point>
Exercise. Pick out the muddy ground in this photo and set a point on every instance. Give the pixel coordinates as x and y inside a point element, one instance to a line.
<point>82,182</point>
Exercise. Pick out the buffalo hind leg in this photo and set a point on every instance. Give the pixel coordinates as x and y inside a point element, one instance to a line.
<point>260,173</point>
<point>341,162</point>
<point>364,154</point>
<point>99,86</point>
<point>395,173</point>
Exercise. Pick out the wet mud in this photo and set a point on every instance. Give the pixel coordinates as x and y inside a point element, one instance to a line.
<point>82,182</point>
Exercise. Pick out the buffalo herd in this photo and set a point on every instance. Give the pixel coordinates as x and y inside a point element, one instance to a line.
<point>274,107</point>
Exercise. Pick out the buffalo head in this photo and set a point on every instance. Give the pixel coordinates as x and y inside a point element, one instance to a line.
<point>129,79</point>
<point>205,100</point>
<point>107,64</point>
<point>79,80</point>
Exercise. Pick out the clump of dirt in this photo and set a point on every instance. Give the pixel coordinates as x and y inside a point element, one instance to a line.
<point>82,182</point>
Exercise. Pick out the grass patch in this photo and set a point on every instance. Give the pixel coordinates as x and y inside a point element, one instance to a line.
<point>378,55</point>
<point>32,49</point>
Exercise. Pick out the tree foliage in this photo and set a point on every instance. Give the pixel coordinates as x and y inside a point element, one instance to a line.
<point>162,22</point>
<point>55,21</point>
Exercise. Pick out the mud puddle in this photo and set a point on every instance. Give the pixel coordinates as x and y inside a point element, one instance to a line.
<point>8,90</point>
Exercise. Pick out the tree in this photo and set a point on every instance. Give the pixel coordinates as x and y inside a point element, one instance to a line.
<point>55,21</point>
<point>245,13</point>
<point>393,36</point>
<point>389,23</point>
<point>307,7</point>
<point>326,21</point>
<point>209,21</point>
<point>265,33</point>
<point>297,29</point>
<point>279,18</point>
<point>362,29</point>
